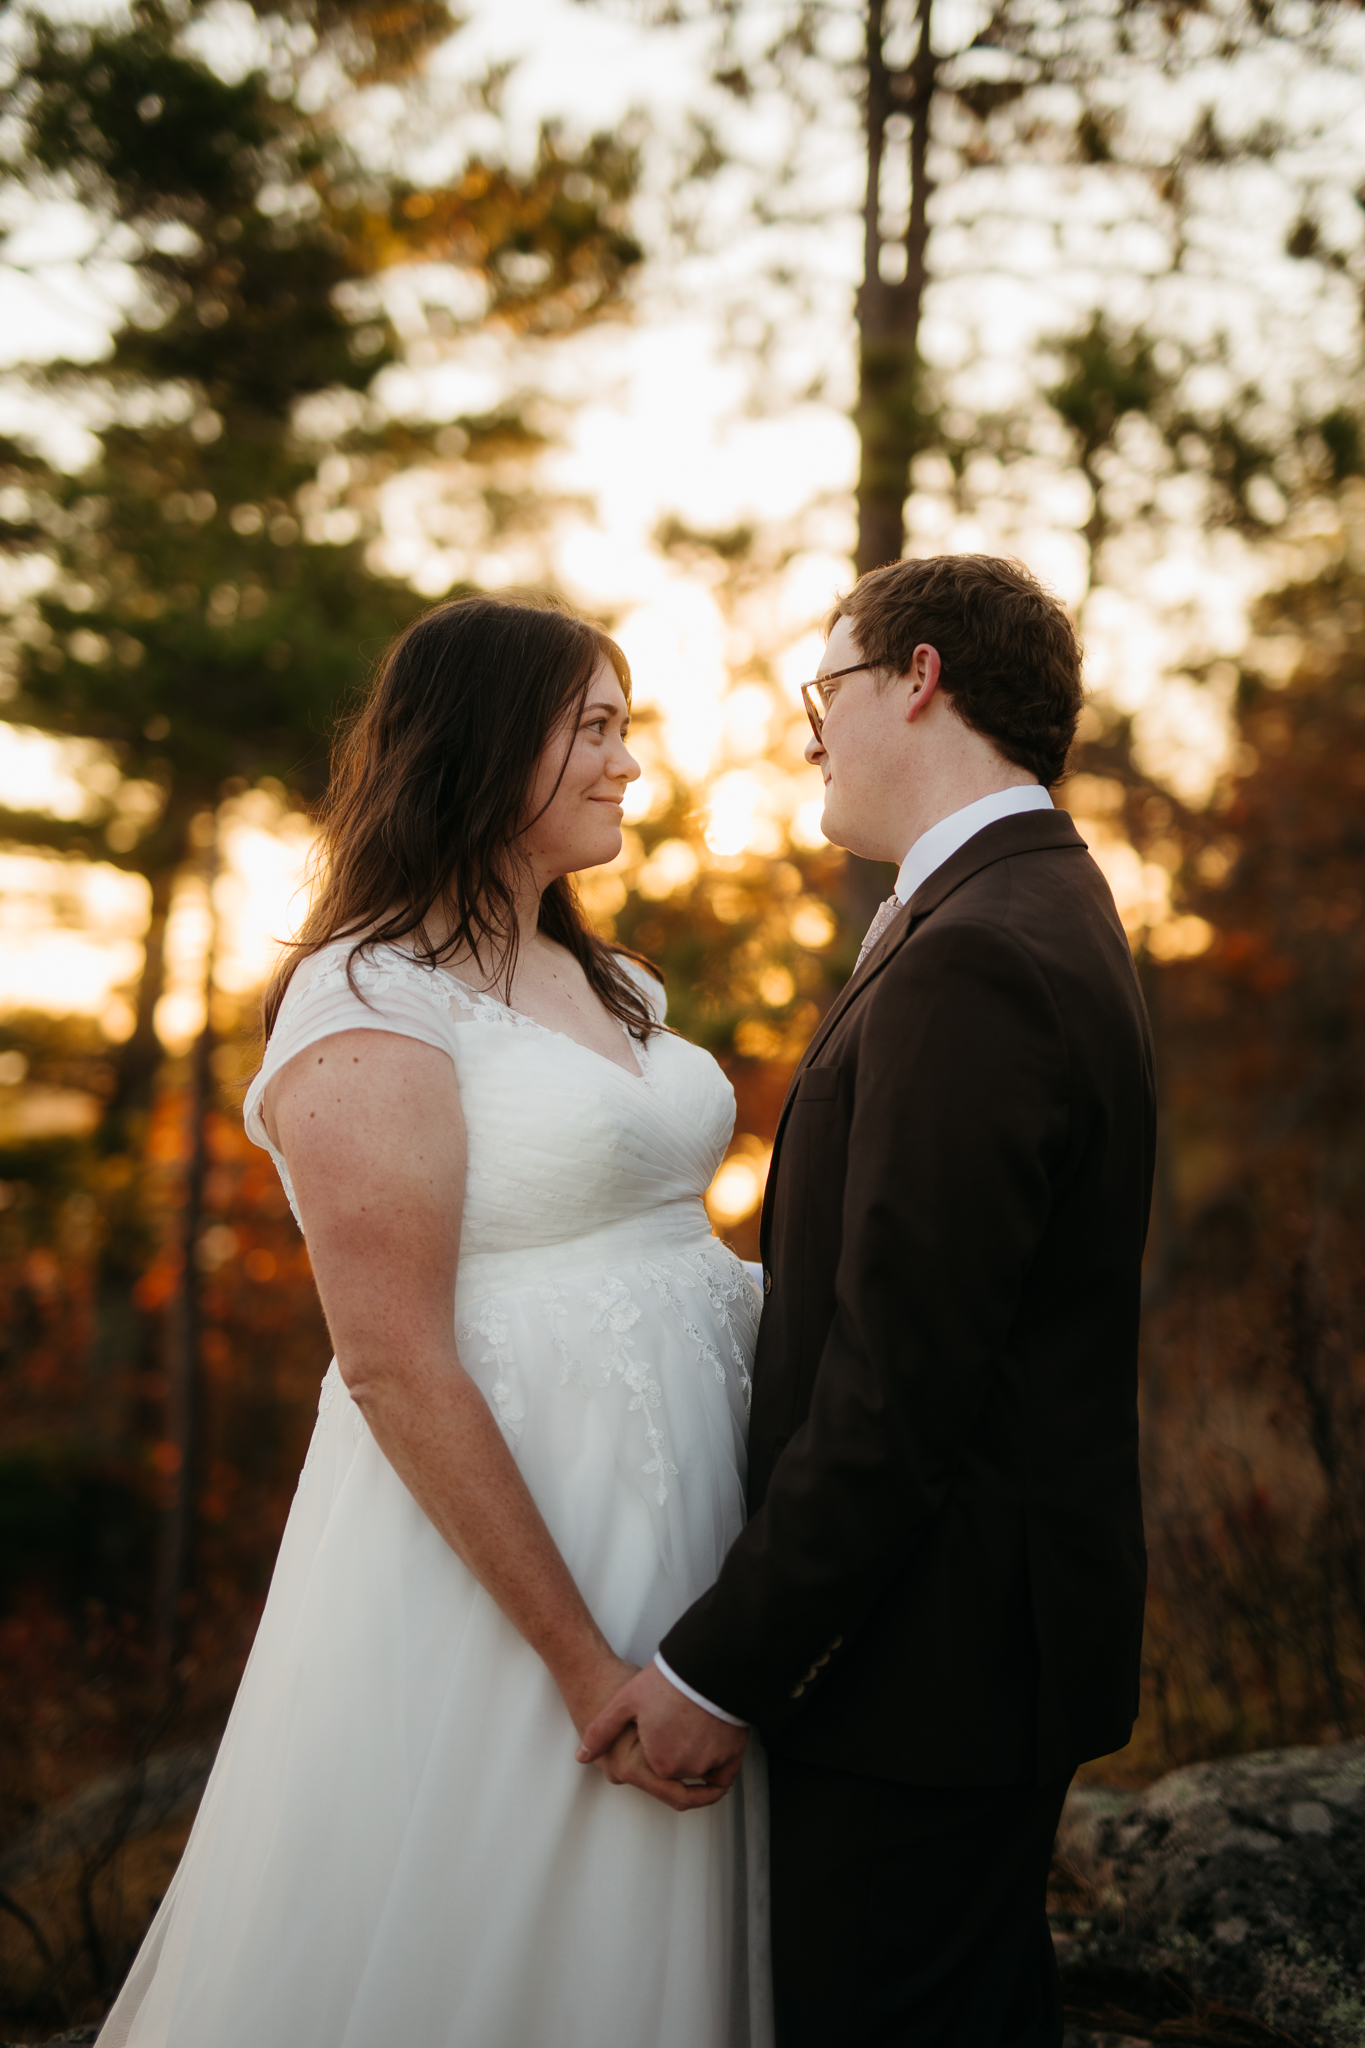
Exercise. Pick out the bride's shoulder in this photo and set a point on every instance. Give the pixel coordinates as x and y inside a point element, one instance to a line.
<point>322,972</point>
<point>349,985</point>
<point>373,981</point>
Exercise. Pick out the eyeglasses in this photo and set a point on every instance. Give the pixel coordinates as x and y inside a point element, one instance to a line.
<point>819,692</point>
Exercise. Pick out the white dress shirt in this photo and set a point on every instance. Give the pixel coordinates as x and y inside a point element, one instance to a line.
<point>927,854</point>
<point>936,845</point>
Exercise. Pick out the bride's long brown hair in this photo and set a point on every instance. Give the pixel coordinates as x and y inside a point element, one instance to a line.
<point>431,781</point>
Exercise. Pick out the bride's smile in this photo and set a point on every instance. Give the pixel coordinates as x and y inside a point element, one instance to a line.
<point>577,798</point>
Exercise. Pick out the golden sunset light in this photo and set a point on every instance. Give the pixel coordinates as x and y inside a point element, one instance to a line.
<point>785,1439</point>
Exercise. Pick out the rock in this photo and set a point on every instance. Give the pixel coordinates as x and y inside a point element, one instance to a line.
<point>1233,1888</point>
<point>124,1805</point>
<point>1082,2037</point>
<point>76,2037</point>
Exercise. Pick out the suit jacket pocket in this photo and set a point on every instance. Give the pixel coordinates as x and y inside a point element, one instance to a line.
<point>817,1084</point>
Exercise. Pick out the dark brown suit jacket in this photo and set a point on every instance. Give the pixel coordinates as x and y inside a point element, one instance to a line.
<point>942,1577</point>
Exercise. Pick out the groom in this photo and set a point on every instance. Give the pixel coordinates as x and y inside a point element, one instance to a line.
<point>934,1613</point>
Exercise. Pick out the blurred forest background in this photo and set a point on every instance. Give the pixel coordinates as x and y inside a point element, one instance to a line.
<point>314,312</point>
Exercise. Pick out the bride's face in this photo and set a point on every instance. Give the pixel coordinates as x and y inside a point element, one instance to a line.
<point>579,826</point>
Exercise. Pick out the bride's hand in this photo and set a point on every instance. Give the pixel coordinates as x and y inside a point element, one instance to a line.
<point>585,1695</point>
<point>587,1689</point>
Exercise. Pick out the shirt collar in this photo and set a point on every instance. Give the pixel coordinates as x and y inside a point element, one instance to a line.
<point>941,841</point>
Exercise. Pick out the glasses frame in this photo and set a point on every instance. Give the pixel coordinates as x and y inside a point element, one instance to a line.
<point>818,692</point>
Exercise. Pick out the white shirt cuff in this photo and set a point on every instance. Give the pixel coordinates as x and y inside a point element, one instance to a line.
<point>707,1705</point>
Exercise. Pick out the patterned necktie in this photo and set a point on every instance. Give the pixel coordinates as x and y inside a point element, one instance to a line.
<point>877,927</point>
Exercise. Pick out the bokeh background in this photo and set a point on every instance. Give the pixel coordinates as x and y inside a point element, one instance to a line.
<point>687,309</point>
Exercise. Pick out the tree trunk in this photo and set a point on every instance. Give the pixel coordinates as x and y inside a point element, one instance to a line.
<point>890,417</point>
<point>175,1569</point>
<point>123,1337</point>
<point>140,1056</point>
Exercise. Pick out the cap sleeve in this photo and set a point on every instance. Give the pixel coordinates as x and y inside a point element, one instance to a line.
<point>387,990</point>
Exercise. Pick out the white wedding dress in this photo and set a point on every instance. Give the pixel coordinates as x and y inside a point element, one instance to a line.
<point>396,1848</point>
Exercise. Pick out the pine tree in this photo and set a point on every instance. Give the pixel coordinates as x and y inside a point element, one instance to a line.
<point>216,597</point>
<point>218,582</point>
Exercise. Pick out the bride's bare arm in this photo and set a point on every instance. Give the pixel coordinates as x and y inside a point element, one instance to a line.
<point>371,1127</point>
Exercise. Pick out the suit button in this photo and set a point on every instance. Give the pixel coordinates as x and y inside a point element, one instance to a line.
<point>767,1281</point>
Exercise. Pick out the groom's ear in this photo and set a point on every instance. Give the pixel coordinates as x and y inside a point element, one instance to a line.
<point>923,676</point>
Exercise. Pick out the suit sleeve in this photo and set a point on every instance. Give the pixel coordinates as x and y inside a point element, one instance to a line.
<point>958,1122</point>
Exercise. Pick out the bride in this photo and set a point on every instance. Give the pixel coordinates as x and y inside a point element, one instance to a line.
<point>530,1449</point>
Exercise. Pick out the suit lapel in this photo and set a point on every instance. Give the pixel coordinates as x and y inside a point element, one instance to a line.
<point>887,946</point>
<point>1026,832</point>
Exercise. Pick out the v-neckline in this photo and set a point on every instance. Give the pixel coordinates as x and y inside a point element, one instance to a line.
<point>549,1030</point>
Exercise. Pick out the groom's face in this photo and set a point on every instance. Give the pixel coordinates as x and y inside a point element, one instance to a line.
<point>859,748</point>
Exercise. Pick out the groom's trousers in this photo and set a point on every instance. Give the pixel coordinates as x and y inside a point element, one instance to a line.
<point>908,1916</point>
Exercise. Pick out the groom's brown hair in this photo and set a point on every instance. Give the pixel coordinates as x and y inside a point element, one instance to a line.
<point>1011,659</point>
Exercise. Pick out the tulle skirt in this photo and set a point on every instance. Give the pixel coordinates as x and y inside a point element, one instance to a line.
<point>397,1845</point>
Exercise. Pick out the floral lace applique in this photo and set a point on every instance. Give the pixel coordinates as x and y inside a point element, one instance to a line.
<point>488,1009</point>
<point>616,1313</point>
<point>734,1303</point>
<point>484,1008</point>
<point>375,972</point>
<point>658,1277</point>
<point>492,1325</point>
<point>554,1301</point>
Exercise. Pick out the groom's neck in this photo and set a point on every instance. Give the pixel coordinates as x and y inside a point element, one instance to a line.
<point>980,771</point>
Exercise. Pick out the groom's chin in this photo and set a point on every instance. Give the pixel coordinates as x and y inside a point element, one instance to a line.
<point>831,827</point>
<point>844,835</point>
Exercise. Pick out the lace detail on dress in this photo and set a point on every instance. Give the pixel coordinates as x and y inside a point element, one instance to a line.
<point>616,1312</point>
<point>658,1277</point>
<point>483,1008</point>
<point>613,1312</point>
<point>375,972</point>
<point>554,1301</point>
<point>722,1316</point>
<point>493,1326</point>
<point>725,1298</point>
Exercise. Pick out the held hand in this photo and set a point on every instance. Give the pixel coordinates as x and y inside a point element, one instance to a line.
<point>624,1764</point>
<point>678,1739</point>
<point>589,1693</point>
